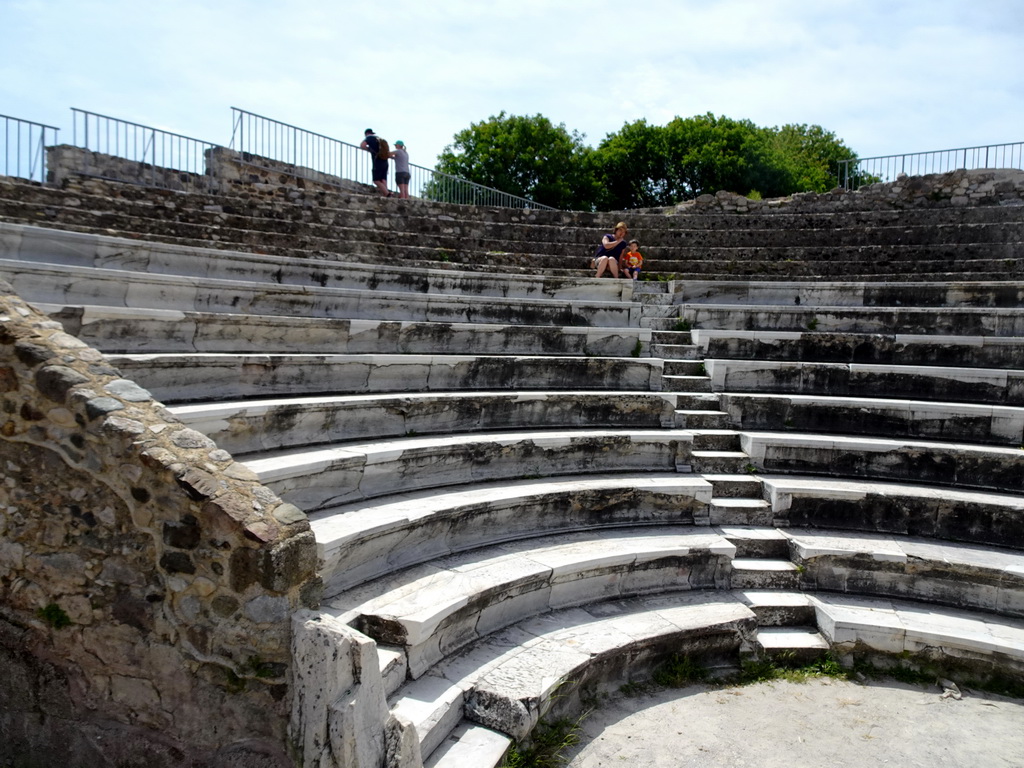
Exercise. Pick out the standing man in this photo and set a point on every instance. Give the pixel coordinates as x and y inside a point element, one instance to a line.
<point>371,143</point>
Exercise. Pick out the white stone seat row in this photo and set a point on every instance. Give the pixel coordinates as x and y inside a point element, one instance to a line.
<point>59,284</point>
<point>962,465</point>
<point>197,377</point>
<point>870,506</point>
<point>880,417</point>
<point>433,610</point>
<point>368,539</point>
<point>956,575</point>
<point>542,668</point>
<point>946,321</point>
<point>313,478</point>
<point>826,293</point>
<point>126,330</point>
<point>839,347</point>
<point>993,386</point>
<point>249,426</point>
<point>37,244</point>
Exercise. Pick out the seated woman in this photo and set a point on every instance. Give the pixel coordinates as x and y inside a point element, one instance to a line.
<point>608,253</point>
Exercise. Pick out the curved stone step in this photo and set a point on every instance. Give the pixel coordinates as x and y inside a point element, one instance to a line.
<point>432,610</point>
<point>249,426</point>
<point>968,385</point>
<point>364,540</point>
<point>955,575</point>
<point>545,666</point>
<point>127,330</point>
<point>542,666</point>
<point>918,419</point>
<point>319,477</point>
<point>57,284</point>
<point>944,513</point>
<point>946,321</point>
<point>45,245</point>
<point>180,378</point>
<point>914,461</point>
<point>830,293</point>
<point>877,348</point>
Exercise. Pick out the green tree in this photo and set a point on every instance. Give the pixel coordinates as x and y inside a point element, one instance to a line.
<point>525,156</point>
<point>643,165</point>
<point>631,168</point>
<point>811,156</point>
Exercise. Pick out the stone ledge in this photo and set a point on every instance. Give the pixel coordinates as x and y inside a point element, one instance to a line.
<point>433,610</point>
<point>127,330</point>
<point>920,321</point>
<point>367,540</point>
<point>992,386</point>
<point>316,478</point>
<point>918,419</point>
<point>250,426</point>
<point>944,464</point>
<point>204,377</point>
<point>55,284</point>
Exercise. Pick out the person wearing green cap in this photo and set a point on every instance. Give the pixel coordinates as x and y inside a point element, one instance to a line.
<point>402,175</point>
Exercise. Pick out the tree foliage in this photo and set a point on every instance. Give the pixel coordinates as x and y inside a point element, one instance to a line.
<point>525,156</point>
<point>644,165</point>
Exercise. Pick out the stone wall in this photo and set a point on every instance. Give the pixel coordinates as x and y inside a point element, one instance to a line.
<point>148,580</point>
<point>66,162</point>
<point>233,170</point>
<point>225,172</point>
<point>939,190</point>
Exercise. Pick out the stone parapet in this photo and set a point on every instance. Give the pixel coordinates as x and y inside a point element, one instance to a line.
<point>143,569</point>
<point>955,189</point>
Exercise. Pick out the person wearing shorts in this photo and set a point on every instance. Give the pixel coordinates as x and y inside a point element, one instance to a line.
<point>402,175</point>
<point>607,255</point>
<point>380,164</point>
<point>631,262</point>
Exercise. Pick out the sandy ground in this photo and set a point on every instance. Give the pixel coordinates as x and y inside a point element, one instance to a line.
<point>823,723</point>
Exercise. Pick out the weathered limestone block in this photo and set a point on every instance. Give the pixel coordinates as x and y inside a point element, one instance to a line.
<point>338,709</point>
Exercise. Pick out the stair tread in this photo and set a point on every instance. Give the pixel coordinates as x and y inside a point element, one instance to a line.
<point>469,745</point>
<point>739,502</point>
<point>763,564</point>
<point>777,638</point>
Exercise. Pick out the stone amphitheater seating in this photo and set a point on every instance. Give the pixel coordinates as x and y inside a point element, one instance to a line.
<point>529,487</point>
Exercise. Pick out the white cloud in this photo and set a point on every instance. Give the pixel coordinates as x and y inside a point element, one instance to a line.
<point>885,77</point>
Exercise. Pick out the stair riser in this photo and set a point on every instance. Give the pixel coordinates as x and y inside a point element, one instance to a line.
<point>774,549</point>
<point>706,421</point>
<point>725,466</point>
<point>784,615</point>
<point>787,580</point>
<point>715,442</point>
<point>732,516</point>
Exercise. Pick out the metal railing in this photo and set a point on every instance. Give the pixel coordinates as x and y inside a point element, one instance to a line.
<point>24,148</point>
<point>854,172</point>
<point>332,161</point>
<point>155,157</point>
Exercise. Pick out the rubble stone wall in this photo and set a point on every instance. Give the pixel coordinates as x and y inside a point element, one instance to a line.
<point>148,580</point>
<point>938,190</point>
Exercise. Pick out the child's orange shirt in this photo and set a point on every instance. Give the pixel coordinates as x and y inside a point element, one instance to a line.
<point>632,260</point>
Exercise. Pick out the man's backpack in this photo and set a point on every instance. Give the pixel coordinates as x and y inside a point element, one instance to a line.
<point>383,150</point>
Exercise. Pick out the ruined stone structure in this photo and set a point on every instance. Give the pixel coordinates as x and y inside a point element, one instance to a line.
<point>300,476</point>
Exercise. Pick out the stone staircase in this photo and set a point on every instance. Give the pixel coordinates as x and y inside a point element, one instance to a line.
<point>529,487</point>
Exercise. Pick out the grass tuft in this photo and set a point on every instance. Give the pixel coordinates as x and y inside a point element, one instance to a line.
<point>548,743</point>
<point>54,615</point>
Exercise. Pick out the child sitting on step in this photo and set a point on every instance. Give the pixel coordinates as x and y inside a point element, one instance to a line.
<point>631,261</point>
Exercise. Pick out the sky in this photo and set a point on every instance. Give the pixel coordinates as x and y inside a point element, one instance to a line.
<point>885,77</point>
